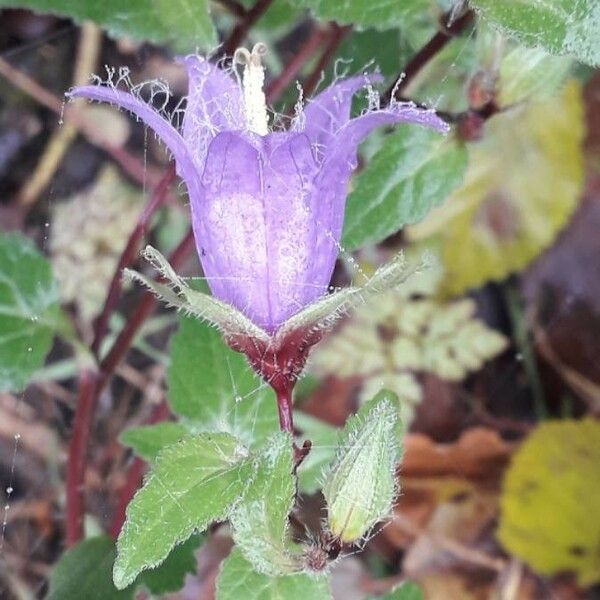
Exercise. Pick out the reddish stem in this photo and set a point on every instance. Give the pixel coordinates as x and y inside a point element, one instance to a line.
<point>337,34</point>
<point>91,385</point>
<point>143,309</point>
<point>128,255</point>
<point>428,51</point>
<point>82,423</point>
<point>285,406</point>
<point>241,29</point>
<point>310,46</point>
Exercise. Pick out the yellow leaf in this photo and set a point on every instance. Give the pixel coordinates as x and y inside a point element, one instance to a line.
<point>551,499</point>
<point>522,185</point>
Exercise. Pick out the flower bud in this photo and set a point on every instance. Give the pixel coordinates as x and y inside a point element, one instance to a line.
<point>360,487</point>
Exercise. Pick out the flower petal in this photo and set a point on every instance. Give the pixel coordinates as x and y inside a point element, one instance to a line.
<point>230,227</point>
<point>214,103</point>
<point>297,272</point>
<point>143,111</point>
<point>330,110</point>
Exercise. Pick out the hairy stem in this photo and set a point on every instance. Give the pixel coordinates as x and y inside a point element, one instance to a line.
<point>336,36</point>
<point>91,384</point>
<point>306,50</point>
<point>285,406</point>
<point>240,31</point>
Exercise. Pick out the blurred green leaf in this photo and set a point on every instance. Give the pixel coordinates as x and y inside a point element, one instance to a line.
<point>193,483</point>
<point>260,520</point>
<point>85,571</point>
<point>29,310</point>
<point>523,182</point>
<point>187,25</point>
<point>381,14</point>
<point>549,499</point>
<point>170,576</point>
<point>559,26</point>
<point>413,171</point>
<point>237,579</point>
<point>215,389</point>
<point>148,440</point>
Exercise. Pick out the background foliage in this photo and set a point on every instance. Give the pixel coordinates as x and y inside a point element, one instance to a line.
<point>490,352</point>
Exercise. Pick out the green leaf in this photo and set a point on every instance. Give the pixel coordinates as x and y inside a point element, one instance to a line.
<point>360,487</point>
<point>84,571</point>
<point>260,520</point>
<point>415,170</point>
<point>405,591</point>
<point>380,14</point>
<point>549,499</point>
<point>559,26</point>
<point>215,388</point>
<point>237,579</point>
<point>187,25</point>
<point>28,310</point>
<point>193,483</point>
<point>147,441</point>
<point>170,575</point>
<point>324,439</point>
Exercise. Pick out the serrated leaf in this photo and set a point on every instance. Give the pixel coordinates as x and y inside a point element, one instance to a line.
<point>186,25</point>
<point>414,170</point>
<point>260,520</point>
<point>523,182</point>
<point>28,310</point>
<point>148,440</point>
<point>559,26</point>
<point>237,579</point>
<point>550,500</point>
<point>360,486</point>
<point>214,387</point>
<point>324,440</point>
<point>85,571</point>
<point>380,14</point>
<point>193,483</point>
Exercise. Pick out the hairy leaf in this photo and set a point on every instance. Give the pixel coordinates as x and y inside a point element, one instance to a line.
<point>238,579</point>
<point>260,520</point>
<point>214,387</point>
<point>559,26</point>
<point>193,483</point>
<point>414,170</point>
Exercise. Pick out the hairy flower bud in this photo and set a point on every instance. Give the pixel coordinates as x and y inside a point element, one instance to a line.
<point>360,487</point>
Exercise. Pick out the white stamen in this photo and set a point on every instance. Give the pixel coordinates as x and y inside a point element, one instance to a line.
<point>253,79</point>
